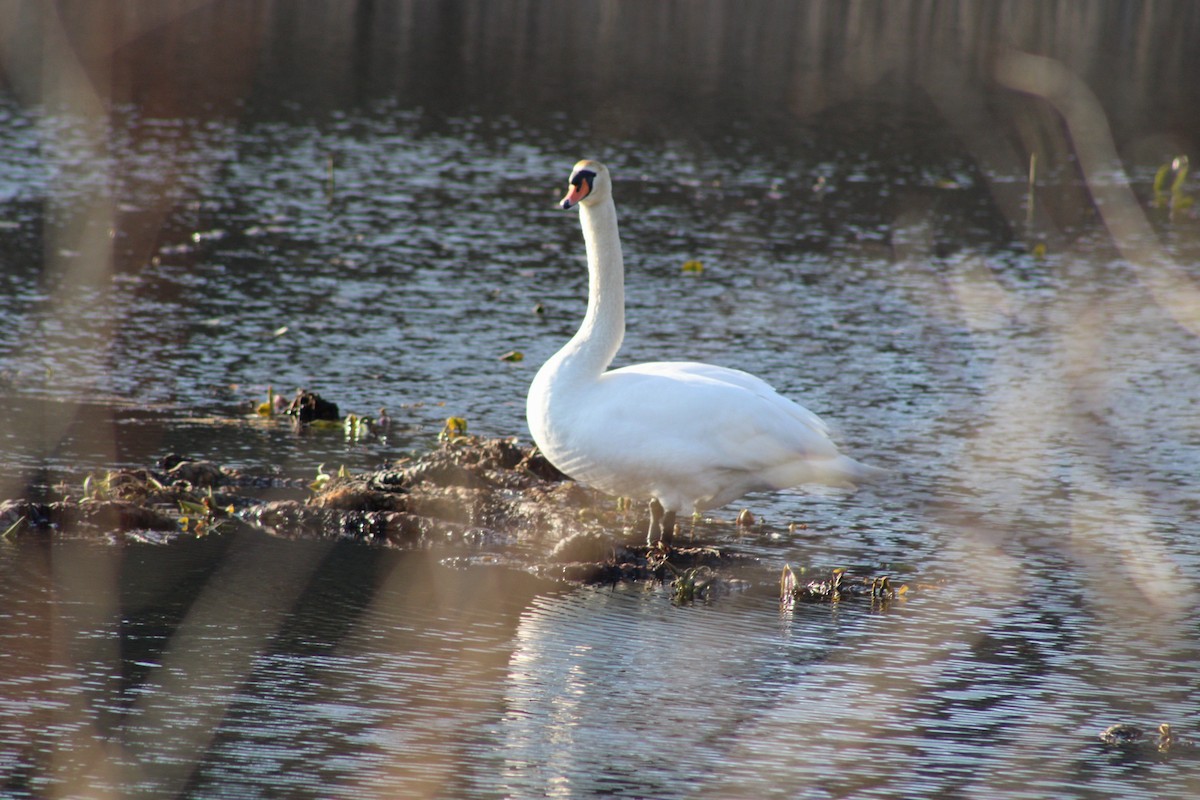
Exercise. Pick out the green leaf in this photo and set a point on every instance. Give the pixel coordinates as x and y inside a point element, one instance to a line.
<point>188,507</point>
<point>11,529</point>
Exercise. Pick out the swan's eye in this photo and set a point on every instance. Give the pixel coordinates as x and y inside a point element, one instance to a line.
<point>584,180</point>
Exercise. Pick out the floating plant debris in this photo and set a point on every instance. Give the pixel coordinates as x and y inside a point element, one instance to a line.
<point>839,586</point>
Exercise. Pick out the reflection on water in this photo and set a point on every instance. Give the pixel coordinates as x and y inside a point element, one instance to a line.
<point>825,703</point>
<point>618,714</point>
<point>255,666</point>
<point>196,203</point>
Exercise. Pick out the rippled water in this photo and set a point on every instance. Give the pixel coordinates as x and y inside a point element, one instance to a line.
<point>1037,407</point>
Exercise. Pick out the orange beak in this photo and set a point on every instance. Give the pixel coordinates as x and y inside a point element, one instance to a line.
<point>577,192</point>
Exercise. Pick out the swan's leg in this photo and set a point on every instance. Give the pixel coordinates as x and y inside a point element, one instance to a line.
<point>662,524</point>
<point>656,515</point>
<point>668,528</point>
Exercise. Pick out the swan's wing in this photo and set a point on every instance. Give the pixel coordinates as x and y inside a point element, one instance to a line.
<point>723,418</point>
<point>717,382</point>
<point>692,435</point>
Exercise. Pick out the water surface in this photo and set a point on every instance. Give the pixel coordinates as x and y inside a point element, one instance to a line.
<point>363,204</point>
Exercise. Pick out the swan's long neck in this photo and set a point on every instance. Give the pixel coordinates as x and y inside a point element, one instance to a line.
<point>593,347</point>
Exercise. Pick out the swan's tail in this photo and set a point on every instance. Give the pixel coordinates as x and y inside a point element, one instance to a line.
<point>838,471</point>
<point>857,473</point>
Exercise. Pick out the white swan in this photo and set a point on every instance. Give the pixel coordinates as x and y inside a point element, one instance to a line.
<point>683,435</point>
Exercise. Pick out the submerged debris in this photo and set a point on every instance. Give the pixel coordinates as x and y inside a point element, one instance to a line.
<point>703,583</point>
<point>308,406</point>
<point>467,490</point>
<point>20,516</point>
<point>840,586</point>
<point>1126,736</point>
<point>696,573</point>
<point>1123,734</point>
<point>202,474</point>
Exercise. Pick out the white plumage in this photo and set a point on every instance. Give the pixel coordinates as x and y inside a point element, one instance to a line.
<point>685,436</point>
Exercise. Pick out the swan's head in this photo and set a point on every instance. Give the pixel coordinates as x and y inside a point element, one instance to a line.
<point>589,184</point>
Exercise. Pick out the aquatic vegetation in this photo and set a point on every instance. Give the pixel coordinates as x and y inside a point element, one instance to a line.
<point>1169,740</point>
<point>204,517</point>
<point>310,409</point>
<point>13,528</point>
<point>693,266</point>
<point>840,586</point>
<point>454,429</point>
<point>357,429</point>
<point>267,409</point>
<point>323,477</point>
<point>513,356</point>
<point>465,491</point>
<point>1172,198</point>
<point>179,495</point>
<point>692,584</point>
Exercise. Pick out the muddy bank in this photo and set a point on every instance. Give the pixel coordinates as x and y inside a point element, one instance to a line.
<point>481,494</point>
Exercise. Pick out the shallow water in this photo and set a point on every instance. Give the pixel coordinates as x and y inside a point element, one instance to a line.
<point>382,239</point>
